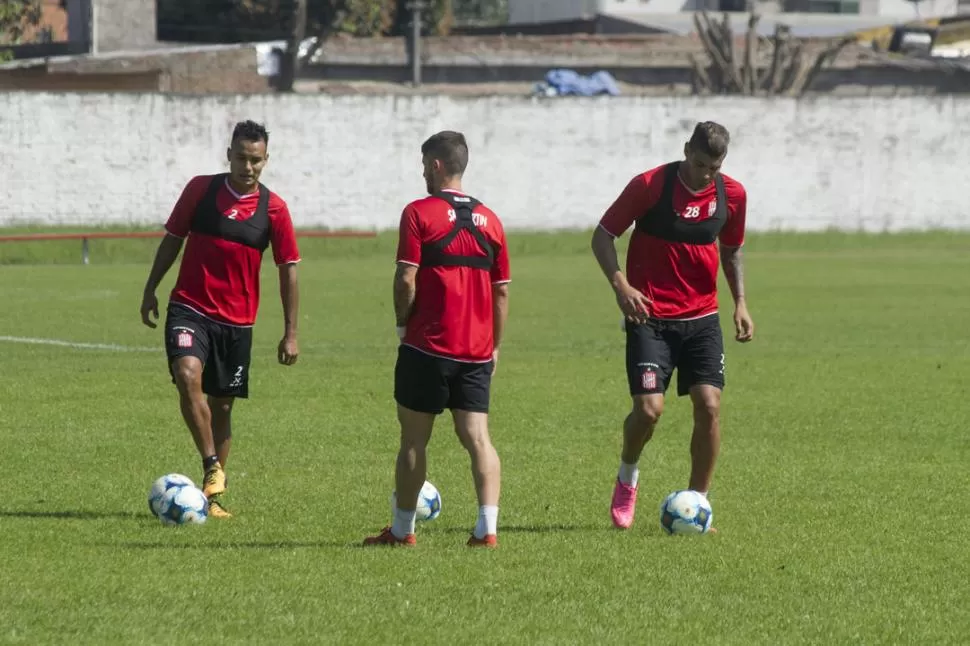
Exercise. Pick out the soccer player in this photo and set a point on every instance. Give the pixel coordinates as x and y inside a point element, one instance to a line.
<point>451,303</point>
<point>682,213</point>
<point>226,222</point>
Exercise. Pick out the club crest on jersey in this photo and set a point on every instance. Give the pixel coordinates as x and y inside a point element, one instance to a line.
<point>712,208</point>
<point>184,340</point>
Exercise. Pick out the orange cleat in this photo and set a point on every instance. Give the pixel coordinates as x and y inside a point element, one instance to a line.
<point>490,540</point>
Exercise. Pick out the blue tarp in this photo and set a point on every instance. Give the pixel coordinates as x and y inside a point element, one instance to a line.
<point>562,82</point>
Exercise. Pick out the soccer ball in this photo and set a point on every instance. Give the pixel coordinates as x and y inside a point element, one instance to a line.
<point>429,502</point>
<point>163,484</point>
<point>686,512</point>
<point>183,504</point>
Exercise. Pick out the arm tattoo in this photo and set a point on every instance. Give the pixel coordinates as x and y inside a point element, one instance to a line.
<point>731,261</point>
<point>404,294</point>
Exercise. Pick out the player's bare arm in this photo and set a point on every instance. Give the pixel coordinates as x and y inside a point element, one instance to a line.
<point>733,266</point>
<point>289,350</point>
<point>168,251</point>
<point>634,305</point>
<point>500,313</point>
<point>405,291</point>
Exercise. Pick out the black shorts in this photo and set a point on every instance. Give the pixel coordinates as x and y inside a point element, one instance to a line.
<point>225,350</point>
<point>653,349</point>
<point>430,384</point>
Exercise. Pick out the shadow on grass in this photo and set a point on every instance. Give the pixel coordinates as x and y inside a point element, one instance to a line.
<point>229,545</point>
<point>73,515</point>
<point>532,529</point>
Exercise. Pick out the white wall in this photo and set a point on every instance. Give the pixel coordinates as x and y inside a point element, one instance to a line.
<point>873,164</point>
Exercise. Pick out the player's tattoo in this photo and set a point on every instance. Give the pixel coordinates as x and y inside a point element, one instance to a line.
<point>404,293</point>
<point>731,261</point>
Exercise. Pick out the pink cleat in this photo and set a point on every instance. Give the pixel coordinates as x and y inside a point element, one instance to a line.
<point>624,505</point>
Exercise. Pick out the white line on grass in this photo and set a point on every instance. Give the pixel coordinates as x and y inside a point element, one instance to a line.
<point>78,346</point>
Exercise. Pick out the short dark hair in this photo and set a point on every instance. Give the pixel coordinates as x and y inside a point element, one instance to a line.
<point>710,139</point>
<point>450,148</point>
<point>250,131</point>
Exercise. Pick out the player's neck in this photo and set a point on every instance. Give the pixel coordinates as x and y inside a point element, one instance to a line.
<point>685,179</point>
<point>451,185</point>
<point>240,189</point>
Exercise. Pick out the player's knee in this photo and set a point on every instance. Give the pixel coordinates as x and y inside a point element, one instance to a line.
<point>646,413</point>
<point>707,408</point>
<point>221,407</point>
<point>476,443</point>
<point>187,374</point>
<point>413,441</point>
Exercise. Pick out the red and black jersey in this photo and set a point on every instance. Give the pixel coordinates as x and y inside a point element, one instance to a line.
<point>227,234</point>
<point>673,255</point>
<point>458,245</point>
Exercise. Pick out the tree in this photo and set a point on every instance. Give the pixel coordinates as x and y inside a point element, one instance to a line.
<point>790,71</point>
<point>17,17</point>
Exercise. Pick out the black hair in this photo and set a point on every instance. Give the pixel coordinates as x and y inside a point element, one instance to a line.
<point>250,131</point>
<point>710,138</point>
<point>450,148</point>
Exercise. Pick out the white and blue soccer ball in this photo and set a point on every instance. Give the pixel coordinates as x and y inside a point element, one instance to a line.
<point>429,502</point>
<point>183,505</point>
<point>162,485</point>
<point>686,512</point>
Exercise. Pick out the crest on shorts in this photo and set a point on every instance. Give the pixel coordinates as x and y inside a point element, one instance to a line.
<point>184,340</point>
<point>649,379</point>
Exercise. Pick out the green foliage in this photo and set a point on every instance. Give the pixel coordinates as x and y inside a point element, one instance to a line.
<point>251,19</point>
<point>16,17</point>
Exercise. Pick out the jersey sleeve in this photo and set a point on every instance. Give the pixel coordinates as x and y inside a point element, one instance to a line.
<point>732,234</point>
<point>180,221</point>
<point>638,196</point>
<point>409,237</point>
<point>501,271</point>
<point>282,235</point>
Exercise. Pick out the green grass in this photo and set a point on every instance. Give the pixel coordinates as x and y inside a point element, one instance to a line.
<point>839,495</point>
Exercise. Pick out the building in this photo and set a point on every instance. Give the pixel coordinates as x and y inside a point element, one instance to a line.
<point>805,17</point>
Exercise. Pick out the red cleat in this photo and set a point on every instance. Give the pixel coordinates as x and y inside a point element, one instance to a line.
<point>490,540</point>
<point>386,537</point>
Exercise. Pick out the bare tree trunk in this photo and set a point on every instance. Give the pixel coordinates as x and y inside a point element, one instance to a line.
<point>772,79</point>
<point>290,63</point>
<point>750,51</point>
<point>790,72</point>
<point>700,79</point>
<point>827,57</point>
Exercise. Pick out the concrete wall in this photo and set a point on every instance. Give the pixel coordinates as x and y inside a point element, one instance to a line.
<point>353,161</point>
<point>123,24</point>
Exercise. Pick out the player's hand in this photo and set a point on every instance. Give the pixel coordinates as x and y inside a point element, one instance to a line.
<point>743,325</point>
<point>288,351</point>
<point>494,361</point>
<point>149,305</point>
<point>634,305</point>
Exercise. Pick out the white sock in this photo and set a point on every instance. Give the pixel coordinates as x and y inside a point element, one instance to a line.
<point>629,474</point>
<point>487,521</point>
<point>403,522</point>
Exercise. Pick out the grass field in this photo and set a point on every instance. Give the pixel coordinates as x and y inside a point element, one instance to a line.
<point>839,497</point>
